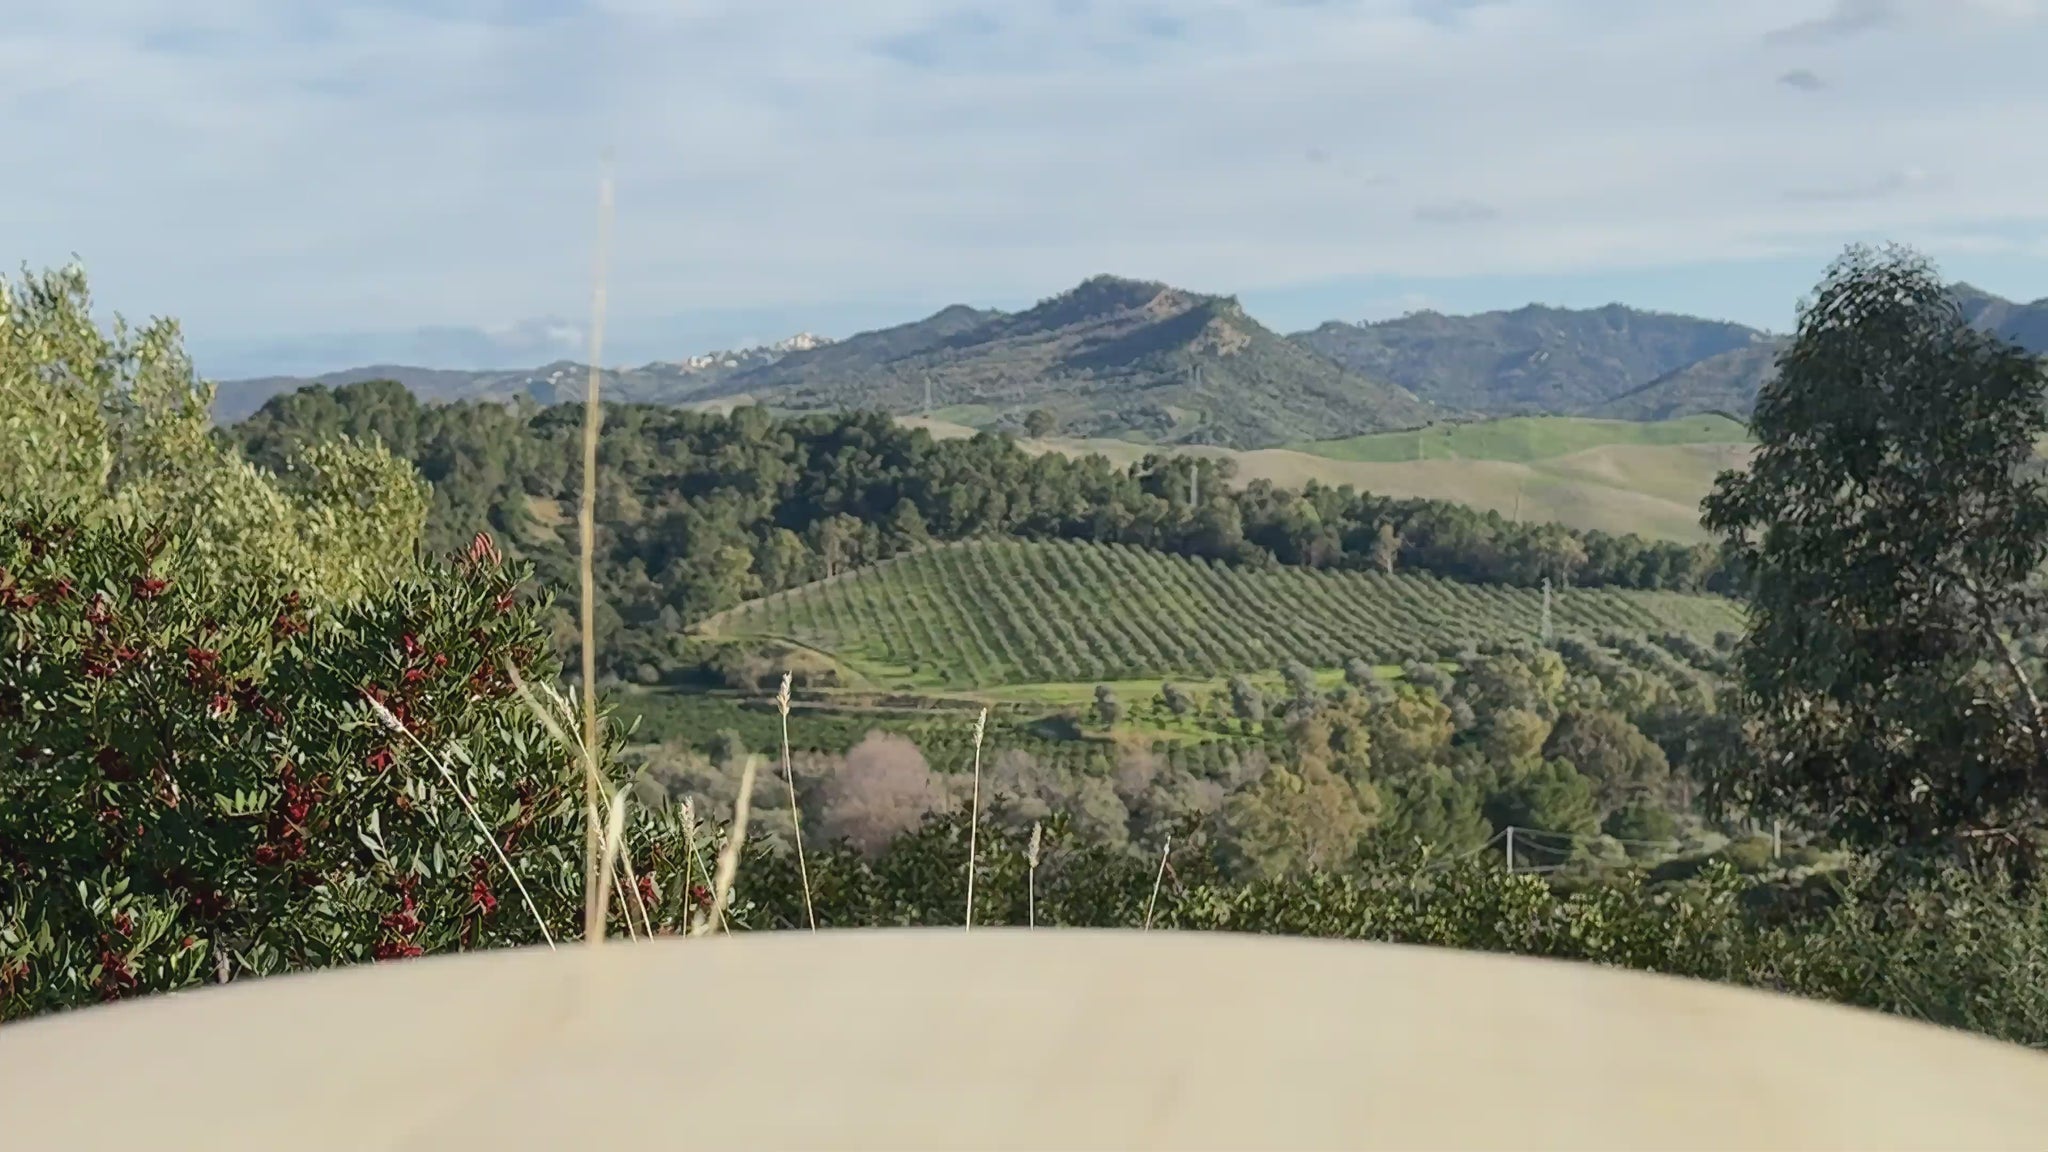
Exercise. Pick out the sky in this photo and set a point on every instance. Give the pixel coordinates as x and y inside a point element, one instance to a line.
<point>314,184</point>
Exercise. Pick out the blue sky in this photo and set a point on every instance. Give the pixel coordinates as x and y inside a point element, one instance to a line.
<point>311,183</point>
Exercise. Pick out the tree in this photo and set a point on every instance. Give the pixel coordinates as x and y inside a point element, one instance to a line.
<point>116,426</point>
<point>1884,537</point>
<point>1625,766</point>
<point>1247,703</point>
<point>1545,796</point>
<point>1435,808</point>
<point>1040,423</point>
<point>1386,548</point>
<point>1108,709</point>
<point>1294,821</point>
<point>1176,699</point>
<point>881,790</point>
<point>1302,693</point>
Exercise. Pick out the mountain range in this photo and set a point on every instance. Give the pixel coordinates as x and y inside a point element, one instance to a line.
<point>1144,361</point>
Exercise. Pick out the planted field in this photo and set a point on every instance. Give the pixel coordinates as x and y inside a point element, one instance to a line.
<point>1523,439</point>
<point>985,614</point>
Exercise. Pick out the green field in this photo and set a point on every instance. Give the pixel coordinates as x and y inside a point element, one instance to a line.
<point>1615,476</point>
<point>989,614</point>
<point>1524,439</point>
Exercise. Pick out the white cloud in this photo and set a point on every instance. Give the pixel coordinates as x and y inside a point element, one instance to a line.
<point>256,167</point>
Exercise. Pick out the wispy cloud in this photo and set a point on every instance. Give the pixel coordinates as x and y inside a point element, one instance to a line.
<point>1456,212</point>
<point>1803,79</point>
<point>1889,184</point>
<point>1843,18</point>
<point>256,167</point>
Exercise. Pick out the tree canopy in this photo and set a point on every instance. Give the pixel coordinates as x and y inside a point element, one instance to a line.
<point>1888,533</point>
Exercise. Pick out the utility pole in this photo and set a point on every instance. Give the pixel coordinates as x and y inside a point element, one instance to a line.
<point>1194,482</point>
<point>1546,609</point>
<point>1511,849</point>
<point>1776,839</point>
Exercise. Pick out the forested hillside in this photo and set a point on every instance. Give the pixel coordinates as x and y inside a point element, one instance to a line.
<point>699,512</point>
<point>1531,360</point>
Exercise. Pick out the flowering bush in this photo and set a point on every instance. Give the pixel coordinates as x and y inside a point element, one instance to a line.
<point>201,779</point>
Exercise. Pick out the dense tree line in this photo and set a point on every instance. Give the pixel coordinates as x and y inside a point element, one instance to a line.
<point>699,512</point>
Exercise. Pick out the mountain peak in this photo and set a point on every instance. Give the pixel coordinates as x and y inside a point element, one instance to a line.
<point>1105,297</point>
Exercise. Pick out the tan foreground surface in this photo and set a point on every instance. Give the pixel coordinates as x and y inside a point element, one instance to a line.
<point>1003,1039</point>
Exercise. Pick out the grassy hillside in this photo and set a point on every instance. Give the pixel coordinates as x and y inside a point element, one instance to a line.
<point>1523,439</point>
<point>991,614</point>
<point>1608,475</point>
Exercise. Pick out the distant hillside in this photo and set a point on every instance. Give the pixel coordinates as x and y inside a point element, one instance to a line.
<point>662,382</point>
<point>1724,383</point>
<point>1144,362</point>
<point>1110,357</point>
<point>1728,382</point>
<point>1532,360</point>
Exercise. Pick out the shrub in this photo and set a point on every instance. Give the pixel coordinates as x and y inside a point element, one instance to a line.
<point>199,781</point>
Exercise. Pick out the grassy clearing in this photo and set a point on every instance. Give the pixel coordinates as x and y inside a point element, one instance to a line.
<point>994,614</point>
<point>1608,475</point>
<point>1525,439</point>
<point>1080,693</point>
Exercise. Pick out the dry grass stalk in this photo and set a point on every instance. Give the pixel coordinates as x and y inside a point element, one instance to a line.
<point>1164,851</point>
<point>796,822</point>
<point>586,534</point>
<point>1031,878</point>
<point>614,833</point>
<point>729,856</point>
<point>974,814</point>
<point>693,854</point>
<point>392,722</point>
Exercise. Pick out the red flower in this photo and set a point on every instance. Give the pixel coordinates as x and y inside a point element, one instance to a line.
<point>398,950</point>
<point>482,551</point>
<point>124,923</point>
<point>503,603</point>
<point>380,761</point>
<point>480,896</point>
<point>648,899</point>
<point>61,589</point>
<point>98,611</point>
<point>267,855</point>
<point>115,975</point>
<point>700,895</point>
<point>414,675</point>
<point>410,643</point>
<point>219,707</point>
<point>149,587</point>
<point>403,922</point>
